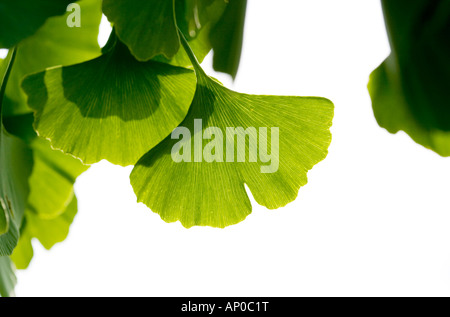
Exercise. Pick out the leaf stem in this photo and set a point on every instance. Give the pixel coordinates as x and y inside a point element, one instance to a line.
<point>198,69</point>
<point>4,82</point>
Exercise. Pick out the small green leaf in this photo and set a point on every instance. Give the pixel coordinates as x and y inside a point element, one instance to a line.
<point>409,90</point>
<point>112,107</point>
<point>210,192</point>
<point>21,19</point>
<point>53,45</point>
<point>148,27</point>
<point>8,279</point>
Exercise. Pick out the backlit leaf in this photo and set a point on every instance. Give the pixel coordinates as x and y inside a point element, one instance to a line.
<point>112,107</point>
<point>54,44</point>
<point>212,193</point>
<point>47,231</point>
<point>54,173</point>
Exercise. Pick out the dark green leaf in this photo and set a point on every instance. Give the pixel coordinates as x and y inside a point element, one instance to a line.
<point>226,38</point>
<point>148,27</point>
<point>410,89</point>
<point>195,19</point>
<point>22,18</point>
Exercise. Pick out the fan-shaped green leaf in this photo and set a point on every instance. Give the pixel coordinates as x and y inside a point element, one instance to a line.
<point>112,107</point>
<point>20,19</point>
<point>54,44</point>
<point>207,186</point>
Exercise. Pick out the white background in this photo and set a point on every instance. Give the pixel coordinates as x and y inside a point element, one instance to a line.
<point>374,219</point>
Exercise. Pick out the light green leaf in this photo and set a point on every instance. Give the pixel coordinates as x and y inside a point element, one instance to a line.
<point>410,89</point>
<point>212,193</point>
<point>23,253</point>
<point>148,27</point>
<point>54,173</point>
<point>20,19</point>
<point>54,44</point>
<point>48,231</point>
<point>7,277</point>
<point>112,107</point>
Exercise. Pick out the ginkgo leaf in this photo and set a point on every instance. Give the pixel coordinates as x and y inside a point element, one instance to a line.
<point>200,179</point>
<point>51,204</point>
<point>54,173</point>
<point>148,27</point>
<point>8,279</point>
<point>16,163</point>
<point>410,89</point>
<point>112,107</point>
<point>48,231</point>
<point>393,113</point>
<point>21,19</point>
<point>226,38</point>
<point>195,19</point>
<point>53,44</point>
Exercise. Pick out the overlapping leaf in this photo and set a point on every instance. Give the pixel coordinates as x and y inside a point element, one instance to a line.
<point>211,192</point>
<point>48,231</point>
<point>53,44</point>
<point>226,38</point>
<point>196,19</point>
<point>51,204</point>
<point>21,19</point>
<point>16,163</point>
<point>112,107</point>
<point>148,27</point>
<point>410,89</point>
<point>54,173</point>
